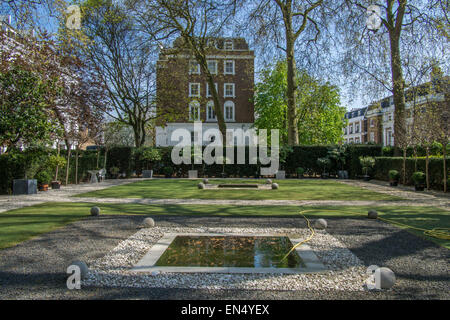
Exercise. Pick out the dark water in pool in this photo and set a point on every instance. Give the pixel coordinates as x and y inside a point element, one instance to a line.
<point>230,251</point>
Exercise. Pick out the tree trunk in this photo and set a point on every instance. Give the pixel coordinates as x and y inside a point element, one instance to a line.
<point>98,158</point>
<point>426,167</point>
<point>104,160</point>
<point>398,92</point>
<point>76,166</point>
<point>218,110</point>
<point>69,153</point>
<point>404,166</point>
<point>291,82</point>
<point>58,154</point>
<point>444,153</point>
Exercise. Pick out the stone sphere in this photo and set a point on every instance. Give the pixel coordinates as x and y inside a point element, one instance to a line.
<point>205,181</point>
<point>201,186</point>
<point>269,181</point>
<point>320,224</point>
<point>372,214</point>
<point>148,223</point>
<point>275,186</point>
<point>84,270</point>
<point>384,278</point>
<point>95,211</point>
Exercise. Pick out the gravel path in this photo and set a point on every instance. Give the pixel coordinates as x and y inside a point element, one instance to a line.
<point>36,268</point>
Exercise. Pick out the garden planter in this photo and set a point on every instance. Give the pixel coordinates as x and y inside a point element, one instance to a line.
<point>147,173</point>
<point>281,174</point>
<point>43,187</point>
<point>393,183</point>
<point>343,174</point>
<point>24,186</point>
<point>366,178</point>
<point>419,187</point>
<point>56,185</point>
<point>193,174</point>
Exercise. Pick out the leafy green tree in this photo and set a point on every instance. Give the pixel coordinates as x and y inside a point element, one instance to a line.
<point>319,114</point>
<point>25,116</point>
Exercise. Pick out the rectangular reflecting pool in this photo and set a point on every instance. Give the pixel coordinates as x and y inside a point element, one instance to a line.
<point>230,251</point>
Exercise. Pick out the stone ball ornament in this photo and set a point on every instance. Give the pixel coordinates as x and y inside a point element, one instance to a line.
<point>275,186</point>
<point>201,186</point>
<point>320,224</point>
<point>384,278</point>
<point>148,223</point>
<point>205,181</point>
<point>372,214</point>
<point>269,181</point>
<point>84,270</point>
<point>95,211</point>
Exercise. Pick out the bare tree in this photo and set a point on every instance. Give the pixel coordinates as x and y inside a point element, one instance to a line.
<point>197,23</point>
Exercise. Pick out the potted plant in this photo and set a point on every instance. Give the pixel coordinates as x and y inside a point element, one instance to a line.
<point>337,156</point>
<point>324,163</point>
<point>418,178</point>
<point>56,162</point>
<point>367,163</point>
<point>300,171</point>
<point>168,171</point>
<point>114,171</point>
<point>43,178</point>
<point>150,156</point>
<point>394,177</point>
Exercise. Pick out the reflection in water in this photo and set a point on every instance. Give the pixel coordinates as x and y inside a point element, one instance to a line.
<point>229,251</point>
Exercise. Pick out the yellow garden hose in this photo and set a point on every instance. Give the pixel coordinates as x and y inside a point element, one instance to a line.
<point>438,233</point>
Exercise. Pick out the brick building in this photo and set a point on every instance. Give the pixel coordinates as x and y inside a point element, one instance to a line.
<point>183,94</point>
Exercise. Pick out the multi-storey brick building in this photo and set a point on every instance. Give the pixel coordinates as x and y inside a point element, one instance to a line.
<point>356,129</point>
<point>379,116</point>
<point>184,96</point>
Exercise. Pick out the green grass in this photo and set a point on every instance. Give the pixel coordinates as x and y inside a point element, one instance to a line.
<point>22,224</point>
<point>294,189</point>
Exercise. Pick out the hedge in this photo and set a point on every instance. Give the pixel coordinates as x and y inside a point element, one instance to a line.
<point>384,164</point>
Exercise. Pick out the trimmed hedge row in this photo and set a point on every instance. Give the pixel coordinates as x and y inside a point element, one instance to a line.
<point>384,164</point>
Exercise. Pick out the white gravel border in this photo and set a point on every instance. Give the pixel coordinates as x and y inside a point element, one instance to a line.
<point>346,271</point>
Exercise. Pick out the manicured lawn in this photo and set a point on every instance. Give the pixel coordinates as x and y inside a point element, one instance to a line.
<point>22,224</point>
<point>306,189</point>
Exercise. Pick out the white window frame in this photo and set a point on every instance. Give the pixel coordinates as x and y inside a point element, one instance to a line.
<point>225,90</point>
<point>198,67</point>
<point>209,105</point>
<point>190,89</point>
<point>215,62</point>
<point>227,42</point>
<point>229,104</point>
<point>194,104</point>
<point>225,67</point>
<point>207,89</point>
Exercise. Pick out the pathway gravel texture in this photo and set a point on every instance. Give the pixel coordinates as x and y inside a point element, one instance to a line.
<point>35,269</point>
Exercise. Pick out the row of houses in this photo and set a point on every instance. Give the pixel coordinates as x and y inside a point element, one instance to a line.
<point>375,123</point>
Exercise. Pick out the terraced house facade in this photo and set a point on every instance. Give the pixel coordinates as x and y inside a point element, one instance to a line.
<point>184,96</point>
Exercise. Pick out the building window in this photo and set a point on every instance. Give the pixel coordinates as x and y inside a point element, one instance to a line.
<point>357,128</point>
<point>228,90</point>
<point>356,140</point>
<point>351,128</point>
<point>211,43</point>
<point>372,123</point>
<point>228,67</point>
<point>194,89</point>
<point>212,66</point>
<point>228,45</point>
<point>345,130</point>
<point>208,91</point>
<point>194,67</point>
<point>210,114</point>
<point>229,111</point>
<point>372,137</point>
<point>194,111</point>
